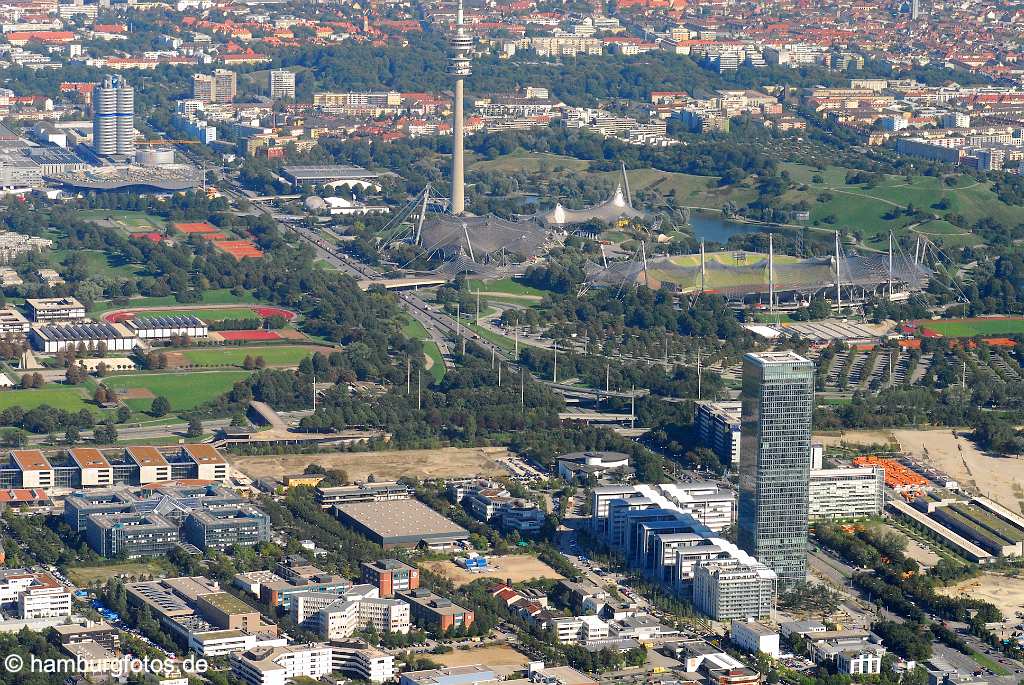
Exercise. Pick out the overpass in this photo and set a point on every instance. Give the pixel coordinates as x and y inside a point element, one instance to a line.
<point>269,198</point>
<point>589,416</point>
<point>411,283</point>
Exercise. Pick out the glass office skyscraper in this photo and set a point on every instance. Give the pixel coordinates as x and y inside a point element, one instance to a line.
<point>775,462</point>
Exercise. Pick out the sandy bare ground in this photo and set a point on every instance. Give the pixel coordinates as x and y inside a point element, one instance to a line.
<point>1006,592</point>
<point>502,658</point>
<point>999,478</point>
<point>517,567</point>
<point>447,462</point>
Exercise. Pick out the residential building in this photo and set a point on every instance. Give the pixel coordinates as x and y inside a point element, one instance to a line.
<point>100,632</point>
<point>219,87</point>
<point>718,429</point>
<point>854,652</point>
<point>492,503</point>
<point>577,629</point>
<point>708,504</point>
<point>435,612</point>
<point>778,399</point>
<point>390,576</point>
<point>846,493</point>
<point>281,84</point>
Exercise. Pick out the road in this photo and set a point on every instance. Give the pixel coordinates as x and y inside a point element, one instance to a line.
<point>133,432</point>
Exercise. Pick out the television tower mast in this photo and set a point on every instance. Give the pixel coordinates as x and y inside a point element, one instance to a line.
<point>460,44</point>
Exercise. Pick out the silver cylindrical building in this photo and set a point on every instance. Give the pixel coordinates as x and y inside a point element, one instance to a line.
<point>104,121</point>
<point>125,119</point>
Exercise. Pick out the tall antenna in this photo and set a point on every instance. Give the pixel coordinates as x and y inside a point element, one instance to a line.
<point>839,291</point>
<point>625,186</point>
<point>459,67</point>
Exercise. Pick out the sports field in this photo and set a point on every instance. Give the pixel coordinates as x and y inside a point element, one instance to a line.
<point>968,328</point>
<point>213,314</point>
<point>279,355</point>
<point>505,286</point>
<point>130,221</point>
<point>219,296</point>
<point>86,575</point>
<point>183,390</point>
<point>69,398</point>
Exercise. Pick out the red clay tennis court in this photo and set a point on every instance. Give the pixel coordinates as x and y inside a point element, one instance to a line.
<point>195,227</point>
<point>249,335</point>
<point>239,249</point>
<point>267,312</point>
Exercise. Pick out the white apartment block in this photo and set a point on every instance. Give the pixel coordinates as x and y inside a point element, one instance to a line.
<point>580,629</point>
<point>846,493</point>
<point>718,429</point>
<point>336,616</point>
<point>33,594</point>
<point>735,588</point>
<point>753,637</point>
<point>280,665</point>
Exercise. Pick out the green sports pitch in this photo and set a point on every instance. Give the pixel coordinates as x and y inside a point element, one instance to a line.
<point>969,328</point>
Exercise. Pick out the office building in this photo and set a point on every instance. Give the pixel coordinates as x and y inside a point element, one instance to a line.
<point>718,429</point>
<point>281,84</point>
<point>113,124</point>
<point>132,534</point>
<point>492,503</point>
<point>390,576</point>
<point>218,529</point>
<point>280,665</point>
<point>336,616</point>
<point>708,504</point>
<point>435,612</point>
<point>100,632</point>
<point>854,652</point>
<point>753,637</point>
<point>577,629</point>
<point>778,399</point>
<point>33,595</point>
<point>848,493</point>
<point>583,467</point>
<point>51,309</point>
<point>218,87</point>
<point>364,492</point>
<point>734,588</point>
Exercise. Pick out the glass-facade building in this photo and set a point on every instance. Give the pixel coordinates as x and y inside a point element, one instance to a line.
<point>777,402</point>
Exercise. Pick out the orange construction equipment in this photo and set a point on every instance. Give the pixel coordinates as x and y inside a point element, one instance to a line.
<point>897,476</point>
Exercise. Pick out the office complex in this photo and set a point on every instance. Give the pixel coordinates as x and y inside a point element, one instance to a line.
<point>778,399</point>
<point>113,124</point>
<point>728,588</point>
<point>718,429</point>
<point>337,615</point>
<point>705,502</point>
<point>280,665</point>
<point>435,612</point>
<point>243,524</point>
<point>493,503</point>
<point>31,594</point>
<point>845,493</point>
<point>281,84</point>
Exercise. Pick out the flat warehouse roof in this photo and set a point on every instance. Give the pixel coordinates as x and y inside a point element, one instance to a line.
<point>401,520</point>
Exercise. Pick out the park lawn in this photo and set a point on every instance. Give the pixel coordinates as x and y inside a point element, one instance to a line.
<point>66,397</point>
<point>507,344</point>
<point>507,286</point>
<point>968,328</point>
<point>86,575</point>
<point>415,330</point>
<point>131,221</point>
<point>183,390</point>
<point>219,296</point>
<point>242,312</point>
<point>528,162</point>
<point>273,355</point>
<point>98,263</point>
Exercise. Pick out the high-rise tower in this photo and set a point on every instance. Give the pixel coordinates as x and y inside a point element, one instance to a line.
<point>775,441</point>
<point>461,44</point>
<point>113,124</point>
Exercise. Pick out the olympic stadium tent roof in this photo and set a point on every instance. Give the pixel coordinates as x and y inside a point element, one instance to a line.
<point>481,236</point>
<point>614,208</point>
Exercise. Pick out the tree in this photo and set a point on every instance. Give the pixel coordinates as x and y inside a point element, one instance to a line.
<point>102,395</point>
<point>123,414</point>
<point>161,405</point>
<point>105,433</point>
<point>249,363</point>
<point>195,427</point>
<point>72,435</point>
<point>74,375</point>
<point>260,363</point>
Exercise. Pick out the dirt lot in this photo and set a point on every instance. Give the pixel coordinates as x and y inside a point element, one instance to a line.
<point>1006,592</point>
<point>1000,478</point>
<point>502,658</point>
<point>447,462</point>
<point>518,567</point>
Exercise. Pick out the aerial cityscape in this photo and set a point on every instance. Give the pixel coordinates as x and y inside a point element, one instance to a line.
<point>646,342</point>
